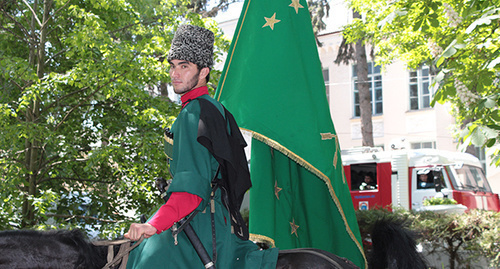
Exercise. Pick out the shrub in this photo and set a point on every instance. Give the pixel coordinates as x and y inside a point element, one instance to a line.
<point>439,201</point>
<point>464,237</point>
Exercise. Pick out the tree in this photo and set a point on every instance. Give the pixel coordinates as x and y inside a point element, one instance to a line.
<point>458,39</point>
<point>345,56</point>
<point>81,116</point>
<point>364,94</point>
<point>83,106</point>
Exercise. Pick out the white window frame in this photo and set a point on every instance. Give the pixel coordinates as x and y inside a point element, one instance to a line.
<point>375,80</point>
<point>326,78</point>
<point>423,145</point>
<point>419,90</point>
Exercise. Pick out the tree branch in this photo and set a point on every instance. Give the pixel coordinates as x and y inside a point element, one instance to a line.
<point>55,12</point>
<point>75,179</point>
<point>69,217</point>
<point>21,27</point>
<point>61,98</point>
<point>92,94</point>
<point>152,20</point>
<point>88,98</point>
<point>16,35</point>
<point>55,55</point>
<point>33,12</point>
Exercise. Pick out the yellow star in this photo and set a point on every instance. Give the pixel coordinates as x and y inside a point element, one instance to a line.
<point>294,227</point>
<point>271,21</point>
<point>295,4</point>
<point>277,190</point>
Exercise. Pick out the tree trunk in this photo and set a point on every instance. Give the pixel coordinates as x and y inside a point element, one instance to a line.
<point>365,104</point>
<point>33,146</point>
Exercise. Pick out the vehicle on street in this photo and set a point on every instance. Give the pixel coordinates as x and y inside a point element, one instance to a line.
<point>405,178</point>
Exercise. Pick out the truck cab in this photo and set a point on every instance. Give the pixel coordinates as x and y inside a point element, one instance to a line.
<point>405,178</point>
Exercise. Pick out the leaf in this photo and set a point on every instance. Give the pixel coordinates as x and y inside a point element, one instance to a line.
<point>481,21</point>
<point>496,116</point>
<point>418,24</point>
<point>488,132</point>
<point>388,19</point>
<point>493,63</point>
<point>439,77</point>
<point>433,20</point>
<point>449,51</point>
<point>491,142</point>
<point>490,102</point>
<point>478,138</point>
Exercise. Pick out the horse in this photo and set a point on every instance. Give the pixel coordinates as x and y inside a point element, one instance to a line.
<point>393,247</point>
<point>50,249</point>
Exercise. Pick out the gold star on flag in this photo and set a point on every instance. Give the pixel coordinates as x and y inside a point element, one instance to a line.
<point>271,21</point>
<point>295,4</point>
<point>294,227</point>
<point>277,190</point>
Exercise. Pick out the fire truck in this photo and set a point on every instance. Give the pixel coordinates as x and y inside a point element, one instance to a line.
<point>405,178</point>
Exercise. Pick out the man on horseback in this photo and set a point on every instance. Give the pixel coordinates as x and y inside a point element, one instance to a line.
<point>209,171</point>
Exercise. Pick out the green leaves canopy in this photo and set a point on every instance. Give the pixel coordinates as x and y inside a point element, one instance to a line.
<point>459,39</point>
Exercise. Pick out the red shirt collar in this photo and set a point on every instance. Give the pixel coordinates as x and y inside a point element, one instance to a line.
<point>193,94</point>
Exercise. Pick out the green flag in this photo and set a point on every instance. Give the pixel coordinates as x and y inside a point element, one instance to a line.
<point>272,83</point>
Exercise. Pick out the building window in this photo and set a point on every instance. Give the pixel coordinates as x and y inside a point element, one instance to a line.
<point>375,81</point>
<point>326,77</point>
<point>364,176</point>
<point>481,155</point>
<point>423,145</point>
<point>420,94</point>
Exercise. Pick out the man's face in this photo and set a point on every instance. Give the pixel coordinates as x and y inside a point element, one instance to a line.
<point>185,76</point>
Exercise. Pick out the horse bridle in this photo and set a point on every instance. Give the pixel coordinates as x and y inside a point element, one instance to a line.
<point>122,255</point>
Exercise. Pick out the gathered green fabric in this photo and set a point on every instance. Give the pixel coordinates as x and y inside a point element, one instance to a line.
<point>273,84</point>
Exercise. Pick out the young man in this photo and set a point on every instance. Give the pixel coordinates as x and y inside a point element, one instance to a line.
<point>423,180</point>
<point>207,146</point>
<point>368,183</point>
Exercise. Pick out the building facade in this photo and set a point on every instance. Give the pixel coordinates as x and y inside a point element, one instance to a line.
<point>402,114</point>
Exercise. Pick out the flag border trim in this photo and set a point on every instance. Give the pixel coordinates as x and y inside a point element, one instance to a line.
<point>262,238</point>
<point>232,52</point>
<point>290,154</point>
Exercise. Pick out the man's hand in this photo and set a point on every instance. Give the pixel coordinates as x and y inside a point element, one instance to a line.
<point>136,230</point>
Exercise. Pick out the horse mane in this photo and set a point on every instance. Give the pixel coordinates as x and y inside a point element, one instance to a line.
<point>89,255</point>
<point>394,246</point>
<point>49,249</point>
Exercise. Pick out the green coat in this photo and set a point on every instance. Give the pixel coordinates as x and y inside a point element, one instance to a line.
<point>193,168</point>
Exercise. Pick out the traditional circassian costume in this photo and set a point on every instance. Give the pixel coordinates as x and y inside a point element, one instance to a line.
<point>207,145</point>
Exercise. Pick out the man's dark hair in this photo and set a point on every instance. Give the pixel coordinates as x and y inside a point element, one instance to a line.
<point>208,75</point>
<point>207,78</point>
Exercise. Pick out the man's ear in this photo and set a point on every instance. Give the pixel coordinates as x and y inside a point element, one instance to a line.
<point>204,72</point>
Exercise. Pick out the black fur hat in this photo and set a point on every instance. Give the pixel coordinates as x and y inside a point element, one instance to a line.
<point>194,44</point>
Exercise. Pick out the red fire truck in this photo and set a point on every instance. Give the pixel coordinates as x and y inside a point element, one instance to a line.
<point>405,178</point>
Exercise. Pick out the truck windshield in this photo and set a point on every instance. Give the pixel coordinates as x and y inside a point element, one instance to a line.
<point>468,178</point>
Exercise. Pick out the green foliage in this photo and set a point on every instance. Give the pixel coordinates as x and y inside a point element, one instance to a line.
<point>463,237</point>
<point>439,201</point>
<point>81,114</point>
<point>458,39</point>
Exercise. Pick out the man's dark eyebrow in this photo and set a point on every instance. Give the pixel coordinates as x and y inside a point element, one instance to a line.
<point>179,63</point>
<point>183,62</point>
